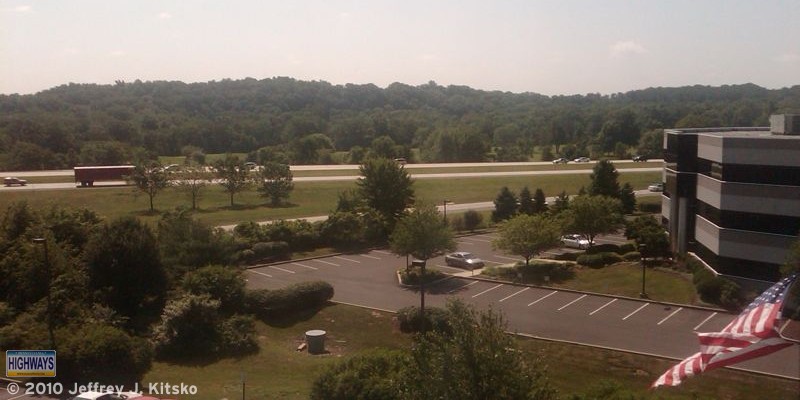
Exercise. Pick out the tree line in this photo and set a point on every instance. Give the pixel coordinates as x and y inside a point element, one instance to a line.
<point>300,122</point>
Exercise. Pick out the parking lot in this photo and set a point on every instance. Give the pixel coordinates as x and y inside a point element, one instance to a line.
<point>369,279</point>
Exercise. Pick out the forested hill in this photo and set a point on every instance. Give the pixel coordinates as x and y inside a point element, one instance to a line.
<point>308,122</point>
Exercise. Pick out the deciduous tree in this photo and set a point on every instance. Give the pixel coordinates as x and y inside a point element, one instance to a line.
<point>150,179</point>
<point>594,215</point>
<point>528,235</point>
<point>234,176</point>
<point>275,182</point>
<point>386,187</point>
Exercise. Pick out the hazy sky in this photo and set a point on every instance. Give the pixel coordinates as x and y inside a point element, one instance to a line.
<point>548,47</point>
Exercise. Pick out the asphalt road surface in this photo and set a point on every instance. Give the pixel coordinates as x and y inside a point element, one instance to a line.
<point>369,279</point>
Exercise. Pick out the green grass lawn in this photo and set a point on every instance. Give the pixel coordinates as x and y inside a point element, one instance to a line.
<point>277,371</point>
<point>307,199</point>
<point>625,279</point>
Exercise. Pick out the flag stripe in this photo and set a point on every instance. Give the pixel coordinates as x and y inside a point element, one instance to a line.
<point>752,334</point>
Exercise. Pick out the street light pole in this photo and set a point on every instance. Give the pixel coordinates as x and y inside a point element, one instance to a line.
<point>43,242</point>
<point>444,207</point>
<point>642,249</point>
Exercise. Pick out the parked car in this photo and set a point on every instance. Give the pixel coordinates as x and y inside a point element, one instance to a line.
<point>561,160</point>
<point>582,159</point>
<point>464,260</point>
<point>575,241</point>
<point>656,187</point>
<point>10,181</point>
<point>640,158</point>
<point>401,161</point>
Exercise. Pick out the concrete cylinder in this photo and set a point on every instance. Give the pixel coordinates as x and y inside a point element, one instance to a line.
<point>315,339</point>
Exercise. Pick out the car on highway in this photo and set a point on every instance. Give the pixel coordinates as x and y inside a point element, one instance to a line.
<point>582,159</point>
<point>401,161</point>
<point>575,241</point>
<point>561,160</point>
<point>463,259</point>
<point>640,158</point>
<point>10,181</point>
<point>656,187</point>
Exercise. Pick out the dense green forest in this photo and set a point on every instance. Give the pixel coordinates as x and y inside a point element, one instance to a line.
<point>303,122</point>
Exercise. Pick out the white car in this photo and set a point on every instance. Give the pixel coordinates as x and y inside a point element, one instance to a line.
<point>463,259</point>
<point>582,159</point>
<point>106,396</point>
<point>656,187</point>
<point>575,241</point>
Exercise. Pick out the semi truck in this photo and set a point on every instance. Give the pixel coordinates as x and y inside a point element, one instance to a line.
<point>88,175</point>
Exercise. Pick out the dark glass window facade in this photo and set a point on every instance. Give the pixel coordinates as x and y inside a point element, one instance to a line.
<point>760,174</point>
<point>681,152</point>
<point>738,267</point>
<point>777,224</point>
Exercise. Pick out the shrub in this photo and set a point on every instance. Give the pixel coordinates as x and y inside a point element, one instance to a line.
<point>603,248</point>
<point>650,208</point>
<point>102,353</point>
<point>436,319</point>
<point>599,260</point>
<point>225,284</point>
<point>534,273</point>
<point>271,251</point>
<point>414,276</point>
<point>282,302</point>
<point>626,248</point>
<point>472,220</point>
<point>567,256</point>
<point>632,256</point>
<point>237,335</point>
<point>717,290</point>
<point>371,375</point>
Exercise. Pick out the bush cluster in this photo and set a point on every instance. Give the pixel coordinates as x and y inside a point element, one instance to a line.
<point>283,302</point>
<point>599,260</point>
<point>411,321</point>
<point>414,276</point>
<point>611,248</point>
<point>718,290</point>
<point>535,272</point>
<point>632,256</point>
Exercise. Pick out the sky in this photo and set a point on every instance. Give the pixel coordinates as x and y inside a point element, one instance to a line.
<point>559,47</point>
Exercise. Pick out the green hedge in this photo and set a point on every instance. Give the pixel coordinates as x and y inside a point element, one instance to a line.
<point>603,248</point>
<point>718,290</point>
<point>650,208</point>
<point>632,256</point>
<point>282,302</point>
<point>567,256</point>
<point>414,276</point>
<point>410,320</point>
<point>599,260</point>
<point>534,273</point>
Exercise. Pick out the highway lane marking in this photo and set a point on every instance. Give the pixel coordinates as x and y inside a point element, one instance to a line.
<point>382,252</point>
<point>669,316</point>
<point>510,296</point>
<point>704,321</point>
<point>260,273</point>
<point>635,311</point>
<point>603,306</point>
<point>544,297</point>
<point>347,259</point>
<point>487,290</point>
<point>571,302</point>
<point>326,262</point>
<point>461,287</point>
<point>372,257</point>
<point>280,269</point>
<point>305,266</point>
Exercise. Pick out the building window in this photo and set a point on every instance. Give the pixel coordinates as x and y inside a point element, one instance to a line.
<point>746,221</point>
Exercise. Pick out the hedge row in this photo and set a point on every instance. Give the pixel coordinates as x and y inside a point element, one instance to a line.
<point>285,301</point>
<point>599,260</point>
<point>414,276</point>
<point>611,248</point>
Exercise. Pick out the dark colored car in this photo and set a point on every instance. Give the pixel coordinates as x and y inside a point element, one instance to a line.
<point>10,181</point>
<point>640,158</point>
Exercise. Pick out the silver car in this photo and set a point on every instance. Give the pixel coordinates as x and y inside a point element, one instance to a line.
<point>575,241</point>
<point>463,259</point>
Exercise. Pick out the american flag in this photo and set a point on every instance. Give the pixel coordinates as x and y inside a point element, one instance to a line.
<point>754,333</point>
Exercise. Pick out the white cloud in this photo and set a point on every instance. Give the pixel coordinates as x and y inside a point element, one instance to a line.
<point>23,9</point>
<point>117,53</point>
<point>344,15</point>
<point>788,58</point>
<point>164,15</point>
<point>627,47</point>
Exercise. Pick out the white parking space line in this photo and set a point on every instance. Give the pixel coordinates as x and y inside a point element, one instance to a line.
<point>487,290</point>
<point>305,266</point>
<point>508,258</point>
<point>372,257</point>
<point>512,295</point>
<point>461,287</point>
<point>669,316</point>
<point>635,311</point>
<point>260,273</point>
<point>382,252</point>
<point>280,269</point>
<point>326,262</point>
<point>603,306</point>
<point>347,259</point>
<point>543,297</point>
<point>571,302</point>
<point>704,321</point>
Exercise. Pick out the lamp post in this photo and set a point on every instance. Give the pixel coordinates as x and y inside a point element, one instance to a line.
<point>642,249</point>
<point>444,207</point>
<point>43,242</point>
